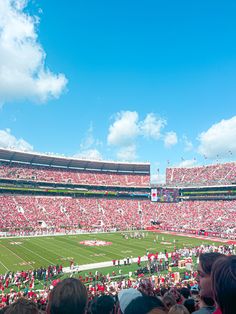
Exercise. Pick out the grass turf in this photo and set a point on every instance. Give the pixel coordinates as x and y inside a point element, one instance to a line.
<point>32,252</point>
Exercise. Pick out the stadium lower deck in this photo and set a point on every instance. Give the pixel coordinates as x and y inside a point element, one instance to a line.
<point>27,213</point>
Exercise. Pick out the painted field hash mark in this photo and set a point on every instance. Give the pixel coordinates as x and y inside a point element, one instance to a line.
<point>97,255</point>
<point>66,258</point>
<point>95,243</point>
<point>26,263</point>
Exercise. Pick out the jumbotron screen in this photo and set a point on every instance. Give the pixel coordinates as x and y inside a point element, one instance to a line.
<point>164,195</point>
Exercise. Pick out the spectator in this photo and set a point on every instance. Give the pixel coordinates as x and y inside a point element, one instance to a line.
<point>206,260</point>
<point>206,306</point>
<point>169,300</point>
<point>178,309</point>
<point>68,297</point>
<point>185,293</point>
<point>103,304</point>
<point>22,306</point>
<point>144,305</point>
<point>224,284</point>
<point>126,296</point>
<point>190,305</point>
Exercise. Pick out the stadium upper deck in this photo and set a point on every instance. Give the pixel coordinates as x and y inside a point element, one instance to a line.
<point>210,175</point>
<point>17,165</point>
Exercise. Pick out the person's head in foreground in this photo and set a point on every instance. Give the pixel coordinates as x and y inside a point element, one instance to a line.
<point>178,309</point>
<point>103,304</point>
<point>190,305</point>
<point>68,297</point>
<point>169,300</point>
<point>22,306</point>
<point>206,261</point>
<point>146,305</point>
<point>224,284</point>
<point>125,296</point>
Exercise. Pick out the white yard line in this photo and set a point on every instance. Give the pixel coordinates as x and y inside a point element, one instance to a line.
<point>50,262</point>
<point>58,245</point>
<point>4,266</point>
<point>17,255</point>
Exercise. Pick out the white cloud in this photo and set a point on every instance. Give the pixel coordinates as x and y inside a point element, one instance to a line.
<point>9,141</point>
<point>127,153</point>
<point>124,130</point>
<point>151,126</point>
<point>23,74</point>
<point>219,140</point>
<point>170,139</point>
<point>88,141</point>
<point>187,163</point>
<point>127,128</point>
<point>87,150</point>
<point>187,143</point>
<point>90,154</point>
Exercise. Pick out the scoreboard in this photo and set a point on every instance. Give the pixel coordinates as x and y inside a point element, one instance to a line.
<point>164,195</point>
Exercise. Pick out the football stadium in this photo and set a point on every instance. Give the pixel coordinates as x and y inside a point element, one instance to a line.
<point>104,223</point>
<point>117,157</point>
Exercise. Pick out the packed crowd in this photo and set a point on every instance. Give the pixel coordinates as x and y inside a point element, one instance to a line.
<point>210,289</point>
<point>219,174</point>
<point>27,278</point>
<point>40,212</point>
<point>19,171</point>
<point>211,216</point>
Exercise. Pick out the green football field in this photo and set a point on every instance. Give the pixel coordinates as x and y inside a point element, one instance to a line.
<point>29,253</point>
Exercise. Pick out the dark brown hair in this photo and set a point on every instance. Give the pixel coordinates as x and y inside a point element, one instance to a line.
<point>207,260</point>
<point>68,297</point>
<point>22,306</point>
<point>224,283</point>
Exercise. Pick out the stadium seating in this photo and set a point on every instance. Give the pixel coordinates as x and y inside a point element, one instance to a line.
<point>219,174</point>
<point>211,216</point>
<point>37,212</point>
<point>19,171</point>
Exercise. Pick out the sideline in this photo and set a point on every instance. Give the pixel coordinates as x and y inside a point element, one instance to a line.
<point>189,235</point>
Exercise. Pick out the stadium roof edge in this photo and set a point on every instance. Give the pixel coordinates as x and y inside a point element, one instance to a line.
<point>200,166</point>
<point>72,162</point>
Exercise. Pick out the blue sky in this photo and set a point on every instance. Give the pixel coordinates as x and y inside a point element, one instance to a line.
<point>120,80</point>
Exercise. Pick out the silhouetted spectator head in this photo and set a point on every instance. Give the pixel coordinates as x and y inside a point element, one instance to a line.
<point>22,306</point>
<point>224,283</point>
<point>206,260</point>
<point>68,297</point>
<point>126,296</point>
<point>146,304</point>
<point>103,304</point>
<point>185,292</point>
<point>163,291</point>
<point>190,305</point>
